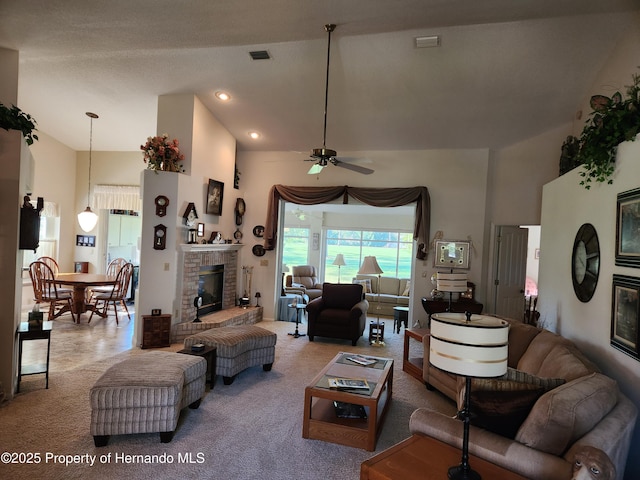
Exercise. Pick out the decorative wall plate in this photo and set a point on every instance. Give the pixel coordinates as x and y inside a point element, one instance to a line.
<point>258,250</point>
<point>258,231</point>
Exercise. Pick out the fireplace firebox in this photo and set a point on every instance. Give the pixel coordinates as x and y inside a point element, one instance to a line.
<point>210,288</point>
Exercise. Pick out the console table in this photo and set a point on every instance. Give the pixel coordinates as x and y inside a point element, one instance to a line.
<point>26,333</point>
<point>458,306</point>
<point>420,457</point>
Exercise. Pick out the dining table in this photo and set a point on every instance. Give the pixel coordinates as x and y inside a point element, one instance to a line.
<point>80,282</point>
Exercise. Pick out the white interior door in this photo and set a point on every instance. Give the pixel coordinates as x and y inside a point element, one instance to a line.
<point>511,269</point>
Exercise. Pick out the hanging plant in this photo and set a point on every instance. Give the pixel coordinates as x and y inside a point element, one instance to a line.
<point>613,120</point>
<point>15,119</point>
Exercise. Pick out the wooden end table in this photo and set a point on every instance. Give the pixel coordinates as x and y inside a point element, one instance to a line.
<point>420,457</point>
<point>209,354</point>
<point>320,420</point>
<point>413,365</point>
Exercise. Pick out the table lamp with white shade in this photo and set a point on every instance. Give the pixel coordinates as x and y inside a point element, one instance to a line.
<point>285,270</point>
<point>472,346</point>
<point>370,267</point>
<point>339,261</point>
<point>451,282</point>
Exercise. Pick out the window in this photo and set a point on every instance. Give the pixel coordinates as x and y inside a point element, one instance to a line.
<point>295,246</point>
<point>393,251</point>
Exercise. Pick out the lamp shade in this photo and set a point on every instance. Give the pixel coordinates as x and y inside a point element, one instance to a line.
<point>451,282</point>
<point>473,345</point>
<point>370,266</point>
<point>87,219</point>
<point>339,261</point>
<point>285,268</point>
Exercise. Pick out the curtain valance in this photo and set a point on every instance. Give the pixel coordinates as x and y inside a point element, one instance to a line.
<point>377,197</point>
<point>117,197</point>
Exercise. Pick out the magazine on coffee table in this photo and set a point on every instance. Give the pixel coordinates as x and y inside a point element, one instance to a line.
<point>362,360</point>
<point>348,383</point>
<point>349,410</point>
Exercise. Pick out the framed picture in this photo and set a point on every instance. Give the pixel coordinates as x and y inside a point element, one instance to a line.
<point>214,197</point>
<point>624,314</point>
<point>452,254</point>
<point>201,229</point>
<point>627,225</point>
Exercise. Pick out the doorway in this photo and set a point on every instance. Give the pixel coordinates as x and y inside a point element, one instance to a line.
<point>516,253</point>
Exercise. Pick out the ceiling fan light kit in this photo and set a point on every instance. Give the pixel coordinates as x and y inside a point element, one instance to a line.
<point>323,156</point>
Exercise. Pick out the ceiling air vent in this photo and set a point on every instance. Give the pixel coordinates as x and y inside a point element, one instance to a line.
<point>260,55</point>
<point>428,42</point>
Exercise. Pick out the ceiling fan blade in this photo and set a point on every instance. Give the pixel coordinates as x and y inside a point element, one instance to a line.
<point>352,167</point>
<point>316,168</point>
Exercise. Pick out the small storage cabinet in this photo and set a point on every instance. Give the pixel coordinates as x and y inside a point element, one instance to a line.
<point>156,331</point>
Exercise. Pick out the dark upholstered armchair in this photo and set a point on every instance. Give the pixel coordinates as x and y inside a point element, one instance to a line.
<point>304,281</point>
<point>341,312</point>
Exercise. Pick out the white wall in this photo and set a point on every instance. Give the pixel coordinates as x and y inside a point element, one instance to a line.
<point>565,207</point>
<point>457,186</point>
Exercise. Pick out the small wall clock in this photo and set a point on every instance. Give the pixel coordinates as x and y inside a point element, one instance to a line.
<point>159,237</point>
<point>190,215</point>
<point>161,205</point>
<point>585,262</point>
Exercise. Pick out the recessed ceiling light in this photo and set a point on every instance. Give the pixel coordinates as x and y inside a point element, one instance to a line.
<point>254,135</point>
<point>223,96</point>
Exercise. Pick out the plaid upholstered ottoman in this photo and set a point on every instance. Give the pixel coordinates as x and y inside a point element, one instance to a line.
<point>238,347</point>
<point>144,394</point>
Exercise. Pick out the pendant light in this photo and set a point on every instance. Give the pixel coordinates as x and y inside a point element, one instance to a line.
<point>88,219</point>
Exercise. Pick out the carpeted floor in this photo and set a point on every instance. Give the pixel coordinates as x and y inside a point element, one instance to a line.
<point>251,429</point>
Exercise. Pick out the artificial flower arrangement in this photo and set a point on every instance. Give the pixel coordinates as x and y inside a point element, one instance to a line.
<point>160,153</point>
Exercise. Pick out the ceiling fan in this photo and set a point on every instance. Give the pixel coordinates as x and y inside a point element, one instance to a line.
<point>323,156</point>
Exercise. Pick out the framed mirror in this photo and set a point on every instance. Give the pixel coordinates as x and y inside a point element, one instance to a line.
<point>452,254</point>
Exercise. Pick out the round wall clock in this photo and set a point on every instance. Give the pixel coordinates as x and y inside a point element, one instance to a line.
<point>585,262</point>
<point>161,205</point>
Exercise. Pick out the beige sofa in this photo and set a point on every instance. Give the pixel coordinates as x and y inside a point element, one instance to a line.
<point>392,293</point>
<point>587,409</point>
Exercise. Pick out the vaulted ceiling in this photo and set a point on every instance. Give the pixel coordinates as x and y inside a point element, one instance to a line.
<point>504,71</point>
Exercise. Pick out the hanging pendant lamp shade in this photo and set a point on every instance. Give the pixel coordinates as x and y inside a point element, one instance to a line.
<point>87,218</point>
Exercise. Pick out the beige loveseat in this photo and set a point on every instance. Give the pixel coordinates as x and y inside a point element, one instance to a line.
<point>394,292</point>
<point>587,409</point>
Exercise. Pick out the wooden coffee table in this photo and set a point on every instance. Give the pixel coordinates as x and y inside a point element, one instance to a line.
<point>320,419</point>
<point>420,457</point>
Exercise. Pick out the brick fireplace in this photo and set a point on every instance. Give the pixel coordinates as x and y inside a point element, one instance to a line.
<point>193,258</point>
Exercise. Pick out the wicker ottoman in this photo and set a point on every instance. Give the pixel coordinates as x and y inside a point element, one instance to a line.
<point>238,347</point>
<point>144,394</point>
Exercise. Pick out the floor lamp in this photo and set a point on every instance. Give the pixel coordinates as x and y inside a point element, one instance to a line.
<point>370,267</point>
<point>451,282</point>
<point>339,261</point>
<point>472,346</point>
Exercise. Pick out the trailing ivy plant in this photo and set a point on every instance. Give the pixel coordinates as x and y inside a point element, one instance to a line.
<point>613,120</point>
<point>15,119</point>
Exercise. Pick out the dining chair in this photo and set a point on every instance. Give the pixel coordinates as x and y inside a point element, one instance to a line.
<point>117,294</point>
<point>112,270</point>
<point>53,265</point>
<point>45,290</point>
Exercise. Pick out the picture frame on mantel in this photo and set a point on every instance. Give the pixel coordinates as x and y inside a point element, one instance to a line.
<point>625,311</point>
<point>215,192</point>
<point>627,226</point>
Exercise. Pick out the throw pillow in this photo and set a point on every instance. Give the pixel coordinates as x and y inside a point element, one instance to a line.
<point>366,284</point>
<point>406,289</point>
<point>502,404</point>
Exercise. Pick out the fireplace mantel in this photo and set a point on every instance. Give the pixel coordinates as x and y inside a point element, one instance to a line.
<point>210,247</point>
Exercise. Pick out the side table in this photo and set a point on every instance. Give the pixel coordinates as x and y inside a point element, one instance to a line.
<point>413,365</point>
<point>209,354</point>
<point>24,333</point>
<point>420,457</point>
<point>156,331</point>
<point>299,309</point>
<point>400,316</point>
